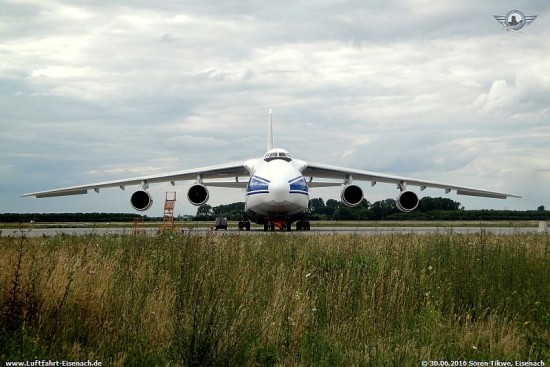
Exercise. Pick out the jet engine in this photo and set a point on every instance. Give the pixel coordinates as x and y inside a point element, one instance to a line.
<point>198,194</point>
<point>352,195</point>
<point>141,200</point>
<point>407,201</point>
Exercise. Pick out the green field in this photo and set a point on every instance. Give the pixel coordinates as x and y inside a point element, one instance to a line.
<point>276,299</point>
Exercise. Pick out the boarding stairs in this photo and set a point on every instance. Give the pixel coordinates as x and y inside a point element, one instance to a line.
<point>139,226</point>
<point>168,223</point>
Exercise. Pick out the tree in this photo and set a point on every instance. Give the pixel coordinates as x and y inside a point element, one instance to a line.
<point>381,209</point>
<point>346,213</point>
<point>232,211</point>
<point>316,204</point>
<point>205,212</point>
<point>428,203</point>
<point>540,208</point>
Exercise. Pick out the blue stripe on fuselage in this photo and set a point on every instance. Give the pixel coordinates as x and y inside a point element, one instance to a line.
<point>257,192</point>
<point>260,185</point>
<point>298,185</point>
<point>298,192</point>
<point>257,185</point>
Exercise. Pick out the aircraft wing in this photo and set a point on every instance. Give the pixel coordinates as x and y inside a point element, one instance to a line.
<point>317,170</point>
<point>229,170</point>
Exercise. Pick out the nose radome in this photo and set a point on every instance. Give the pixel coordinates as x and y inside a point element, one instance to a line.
<point>279,189</point>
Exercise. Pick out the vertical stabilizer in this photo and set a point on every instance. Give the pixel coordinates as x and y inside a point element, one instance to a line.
<point>270,131</point>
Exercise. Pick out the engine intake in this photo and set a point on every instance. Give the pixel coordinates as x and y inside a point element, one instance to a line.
<point>141,200</point>
<point>198,194</point>
<point>352,195</point>
<point>407,201</point>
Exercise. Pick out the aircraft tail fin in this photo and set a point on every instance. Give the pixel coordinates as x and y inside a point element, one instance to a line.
<point>270,131</point>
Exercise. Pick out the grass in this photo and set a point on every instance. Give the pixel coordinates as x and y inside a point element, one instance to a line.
<point>277,299</point>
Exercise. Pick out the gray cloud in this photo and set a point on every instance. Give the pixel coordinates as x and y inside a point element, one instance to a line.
<point>100,90</point>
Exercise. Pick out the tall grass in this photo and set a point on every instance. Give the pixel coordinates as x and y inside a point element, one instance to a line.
<point>276,299</point>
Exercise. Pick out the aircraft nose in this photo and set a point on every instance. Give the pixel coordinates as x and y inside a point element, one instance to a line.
<point>279,189</point>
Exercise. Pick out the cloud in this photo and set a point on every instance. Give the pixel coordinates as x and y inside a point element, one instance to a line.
<point>100,90</point>
<point>528,93</point>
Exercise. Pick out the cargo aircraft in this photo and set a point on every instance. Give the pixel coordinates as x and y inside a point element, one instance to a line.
<point>276,186</point>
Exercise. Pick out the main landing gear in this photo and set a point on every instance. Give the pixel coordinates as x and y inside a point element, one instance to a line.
<point>244,224</point>
<point>303,225</point>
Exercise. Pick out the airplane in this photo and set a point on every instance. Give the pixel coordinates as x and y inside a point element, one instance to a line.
<point>276,186</point>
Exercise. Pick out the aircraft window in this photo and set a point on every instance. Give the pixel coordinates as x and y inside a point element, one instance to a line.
<point>277,155</point>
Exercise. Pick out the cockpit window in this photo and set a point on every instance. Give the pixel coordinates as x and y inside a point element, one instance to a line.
<point>277,154</point>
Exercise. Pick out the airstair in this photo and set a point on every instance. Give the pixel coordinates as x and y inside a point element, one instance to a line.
<point>139,226</point>
<point>168,223</point>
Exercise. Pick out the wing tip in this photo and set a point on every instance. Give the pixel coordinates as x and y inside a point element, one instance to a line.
<point>55,193</point>
<point>493,195</point>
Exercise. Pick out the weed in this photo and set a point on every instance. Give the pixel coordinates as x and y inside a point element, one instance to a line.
<point>276,299</point>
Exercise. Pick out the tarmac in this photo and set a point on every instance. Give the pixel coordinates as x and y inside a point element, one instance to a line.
<point>79,231</point>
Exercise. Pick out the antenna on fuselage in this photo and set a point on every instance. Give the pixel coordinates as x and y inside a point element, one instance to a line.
<point>270,131</point>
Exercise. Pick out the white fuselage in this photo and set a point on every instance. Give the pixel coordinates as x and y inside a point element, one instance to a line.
<point>277,189</point>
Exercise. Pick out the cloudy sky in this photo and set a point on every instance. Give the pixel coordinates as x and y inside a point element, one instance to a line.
<point>99,90</point>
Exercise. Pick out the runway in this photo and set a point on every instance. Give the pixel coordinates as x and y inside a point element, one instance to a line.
<point>422,230</point>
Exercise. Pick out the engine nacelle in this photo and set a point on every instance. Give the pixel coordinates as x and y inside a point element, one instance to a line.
<point>352,195</point>
<point>198,194</point>
<point>141,200</point>
<point>407,201</point>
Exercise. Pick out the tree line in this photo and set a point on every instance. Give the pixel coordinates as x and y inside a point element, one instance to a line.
<point>429,208</point>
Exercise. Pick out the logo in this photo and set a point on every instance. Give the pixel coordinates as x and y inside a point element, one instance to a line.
<point>514,20</point>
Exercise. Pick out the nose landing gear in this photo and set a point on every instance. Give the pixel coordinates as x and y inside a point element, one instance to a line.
<point>280,224</point>
<point>285,225</point>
